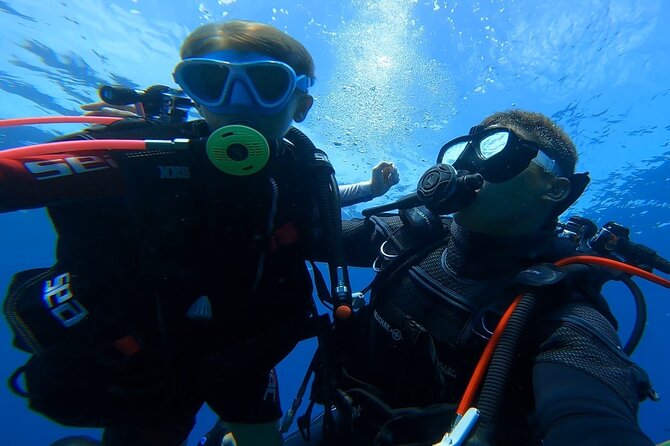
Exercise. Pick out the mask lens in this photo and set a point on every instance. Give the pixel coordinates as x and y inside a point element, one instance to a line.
<point>205,81</point>
<point>453,152</point>
<point>270,81</point>
<point>493,144</point>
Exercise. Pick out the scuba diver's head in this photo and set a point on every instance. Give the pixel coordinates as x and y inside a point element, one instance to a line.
<point>527,163</point>
<point>247,73</point>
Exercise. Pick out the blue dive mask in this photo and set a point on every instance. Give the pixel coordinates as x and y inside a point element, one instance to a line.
<point>223,80</point>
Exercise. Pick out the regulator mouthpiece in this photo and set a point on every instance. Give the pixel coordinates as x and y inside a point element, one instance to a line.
<point>442,189</point>
<point>238,150</point>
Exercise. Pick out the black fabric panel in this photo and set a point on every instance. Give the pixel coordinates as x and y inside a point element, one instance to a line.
<point>582,338</point>
<point>572,406</point>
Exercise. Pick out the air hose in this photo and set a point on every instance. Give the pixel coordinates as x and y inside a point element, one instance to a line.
<point>58,120</point>
<point>500,367</point>
<point>327,194</point>
<point>638,298</point>
<point>495,363</point>
<point>640,315</point>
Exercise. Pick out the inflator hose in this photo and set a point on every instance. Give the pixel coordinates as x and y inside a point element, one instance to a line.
<point>638,297</point>
<point>327,194</point>
<point>492,392</point>
<point>329,206</point>
<point>640,315</point>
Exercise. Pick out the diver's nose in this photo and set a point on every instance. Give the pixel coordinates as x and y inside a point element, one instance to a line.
<point>239,94</point>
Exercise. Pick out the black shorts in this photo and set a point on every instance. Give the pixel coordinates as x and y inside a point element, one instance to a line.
<point>244,397</point>
<point>154,403</point>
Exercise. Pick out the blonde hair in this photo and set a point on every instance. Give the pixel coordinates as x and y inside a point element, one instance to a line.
<point>249,36</point>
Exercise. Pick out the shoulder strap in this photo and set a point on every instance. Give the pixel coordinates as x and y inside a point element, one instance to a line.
<point>327,196</point>
<point>417,245</point>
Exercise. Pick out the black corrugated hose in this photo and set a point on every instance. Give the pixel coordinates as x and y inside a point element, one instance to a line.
<point>493,389</point>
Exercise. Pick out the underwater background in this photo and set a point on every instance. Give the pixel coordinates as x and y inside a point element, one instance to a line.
<point>395,80</point>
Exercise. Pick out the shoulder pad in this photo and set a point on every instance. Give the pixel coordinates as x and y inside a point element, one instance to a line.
<point>541,275</point>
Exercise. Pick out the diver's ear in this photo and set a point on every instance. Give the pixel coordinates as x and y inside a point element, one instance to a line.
<point>305,103</point>
<point>558,190</point>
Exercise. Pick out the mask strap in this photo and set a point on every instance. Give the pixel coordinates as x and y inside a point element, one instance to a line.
<point>578,183</point>
<point>475,129</point>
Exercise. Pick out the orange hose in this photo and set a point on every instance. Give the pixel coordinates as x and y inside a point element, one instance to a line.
<point>629,269</point>
<point>485,359</point>
<point>58,120</point>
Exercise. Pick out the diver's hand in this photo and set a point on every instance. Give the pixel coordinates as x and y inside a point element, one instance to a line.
<point>384,176</point>
<point>104,109</point>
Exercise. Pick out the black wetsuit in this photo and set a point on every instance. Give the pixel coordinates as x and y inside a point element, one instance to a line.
<point>144,236</point>
<point>426,327</point>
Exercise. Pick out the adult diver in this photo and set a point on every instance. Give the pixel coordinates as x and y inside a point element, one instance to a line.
<point>485,323</point>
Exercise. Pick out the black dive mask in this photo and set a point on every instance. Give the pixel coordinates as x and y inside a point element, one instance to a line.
<point>497,153</point>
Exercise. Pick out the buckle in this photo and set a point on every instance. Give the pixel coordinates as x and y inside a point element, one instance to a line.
<point>412,329</point>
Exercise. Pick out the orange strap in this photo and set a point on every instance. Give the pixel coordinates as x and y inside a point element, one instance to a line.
<point>127,345</point>
<point>284,235</point>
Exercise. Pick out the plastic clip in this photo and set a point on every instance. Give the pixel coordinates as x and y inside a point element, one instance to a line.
<point>357,300</point>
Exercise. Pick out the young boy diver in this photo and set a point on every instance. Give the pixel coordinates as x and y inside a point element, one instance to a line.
<point>187,266</point>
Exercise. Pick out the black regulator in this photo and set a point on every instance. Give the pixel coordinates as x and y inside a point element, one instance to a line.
<point>159,102</point>
<point>612,240</point>
<point>442,189</point>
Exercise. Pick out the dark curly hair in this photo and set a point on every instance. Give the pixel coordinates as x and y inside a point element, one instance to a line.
<point>553,139</point>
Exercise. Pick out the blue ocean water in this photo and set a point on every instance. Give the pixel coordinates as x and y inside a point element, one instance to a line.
<point>396,79</point>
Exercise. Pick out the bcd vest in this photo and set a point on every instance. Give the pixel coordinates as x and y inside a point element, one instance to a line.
<point>426,326</point>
